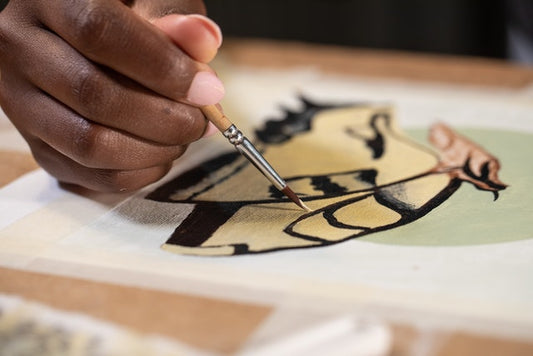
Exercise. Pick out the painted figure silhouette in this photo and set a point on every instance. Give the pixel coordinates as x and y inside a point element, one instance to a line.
<point>349,163</point>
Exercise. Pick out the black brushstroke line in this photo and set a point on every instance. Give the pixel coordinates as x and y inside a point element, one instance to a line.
<point>436,201</point>
<point>377,145</point>
<point>483,177</point>
<point>219,181</point>
<point>191,177</point>
<point>202,223</point>
<point>207,217</point>
<point>329,215</point>
<point>406,215</point>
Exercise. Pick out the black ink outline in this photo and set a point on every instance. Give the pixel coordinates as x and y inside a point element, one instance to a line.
<point>208,216</point>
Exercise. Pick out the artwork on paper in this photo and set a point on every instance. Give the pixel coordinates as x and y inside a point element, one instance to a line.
<point>351,164</point>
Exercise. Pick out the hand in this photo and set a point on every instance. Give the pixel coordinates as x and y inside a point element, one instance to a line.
<point>104,93</point>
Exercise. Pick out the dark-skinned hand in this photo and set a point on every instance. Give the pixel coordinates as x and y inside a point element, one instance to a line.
<point>106,92</point>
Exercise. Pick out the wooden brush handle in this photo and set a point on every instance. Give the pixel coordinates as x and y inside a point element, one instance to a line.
<point>213,114</point>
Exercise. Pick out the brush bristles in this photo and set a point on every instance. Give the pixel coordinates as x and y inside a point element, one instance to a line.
<point>292,196</point>
<point>305,207</point>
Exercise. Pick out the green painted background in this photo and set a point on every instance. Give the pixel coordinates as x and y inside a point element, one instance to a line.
<point>471,216</point>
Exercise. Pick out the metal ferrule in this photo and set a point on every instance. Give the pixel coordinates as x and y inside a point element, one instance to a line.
<point>234,135</point>
<point>247,149</point>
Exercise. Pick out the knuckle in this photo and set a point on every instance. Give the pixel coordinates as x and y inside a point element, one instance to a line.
<point>193,125</point>
<point>92,25</point>
<point>186,126</point>
<point>90,92</point>
<point>174,72</point>
<point>87,143</point>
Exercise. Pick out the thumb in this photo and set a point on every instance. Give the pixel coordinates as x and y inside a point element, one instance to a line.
<point>196,35</point>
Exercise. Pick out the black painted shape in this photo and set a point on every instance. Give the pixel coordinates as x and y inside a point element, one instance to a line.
<point>202,223</point>
<point>408,214</point>
<point>377,143</point>
<point>368,176</point>
<point>483,177</point>
<point>279,131</point>
<point>241,249</point>
<point>387,197</point>
<point>328,188</point>
<point>207,217</point>
<point>274,193</point>
<point>325,184</point>
<point>192,177</point>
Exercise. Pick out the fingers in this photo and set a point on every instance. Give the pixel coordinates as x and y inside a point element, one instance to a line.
<point>66,169</point>
<point>69,171</point>
<point>89,144</point>
<point>96,89</point>
<point>109,33</point>
<point>108,98</point>
<point>196,35</point>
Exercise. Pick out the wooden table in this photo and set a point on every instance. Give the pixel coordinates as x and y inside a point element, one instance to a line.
<point>147,310</point>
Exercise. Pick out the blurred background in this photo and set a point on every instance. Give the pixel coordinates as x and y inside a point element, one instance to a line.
<point>487,28</point>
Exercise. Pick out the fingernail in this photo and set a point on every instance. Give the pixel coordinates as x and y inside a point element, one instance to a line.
<point>211,26</point>
<point>210,130</point>
<point>205,89</point>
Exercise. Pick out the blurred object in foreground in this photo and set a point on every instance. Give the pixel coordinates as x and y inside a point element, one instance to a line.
<point>28,328</point>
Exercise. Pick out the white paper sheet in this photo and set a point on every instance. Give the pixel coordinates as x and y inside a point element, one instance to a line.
<point>481,287</point>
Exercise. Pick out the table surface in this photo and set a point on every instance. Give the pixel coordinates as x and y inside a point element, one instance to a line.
<point>147,310</point>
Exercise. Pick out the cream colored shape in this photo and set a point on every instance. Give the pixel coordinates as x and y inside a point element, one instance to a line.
<point>243,227</point>
<point>325,150</point>
<point>257,226</point>
<point>419,191</point>
<point>317,223</point>
<point>336,145</point>
<point>260,227</point>
<point>367,213</point>
<point>350,183</point>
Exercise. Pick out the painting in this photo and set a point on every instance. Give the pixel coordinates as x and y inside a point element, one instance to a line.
<point>351,164</point>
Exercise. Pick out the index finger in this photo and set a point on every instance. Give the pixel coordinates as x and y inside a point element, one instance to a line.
<point>111,34</point>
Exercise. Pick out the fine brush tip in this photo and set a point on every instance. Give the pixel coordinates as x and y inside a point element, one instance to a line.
<point>292,196</point>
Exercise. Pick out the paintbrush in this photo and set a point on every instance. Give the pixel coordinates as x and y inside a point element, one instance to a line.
<point>247,149</point>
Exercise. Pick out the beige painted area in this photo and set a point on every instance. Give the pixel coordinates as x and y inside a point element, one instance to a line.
<point>353,167</point>
<point>336,149</point>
